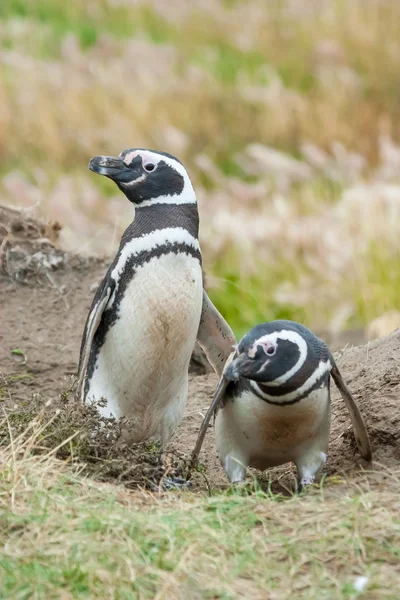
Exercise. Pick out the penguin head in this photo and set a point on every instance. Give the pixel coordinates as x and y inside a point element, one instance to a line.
<point>147,176</point>
<point>274,352</point>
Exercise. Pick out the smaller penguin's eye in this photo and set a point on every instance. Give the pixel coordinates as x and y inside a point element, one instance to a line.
<point>268,347</point>
<point>149,167</point>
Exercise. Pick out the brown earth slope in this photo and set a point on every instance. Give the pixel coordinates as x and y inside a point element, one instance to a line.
<point>45,295</point>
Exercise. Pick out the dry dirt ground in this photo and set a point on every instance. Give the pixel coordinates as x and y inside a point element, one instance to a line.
<point>45,296</point>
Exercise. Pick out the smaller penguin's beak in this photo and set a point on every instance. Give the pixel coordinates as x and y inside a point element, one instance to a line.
<point>239,367</point>
<point>109,166</point>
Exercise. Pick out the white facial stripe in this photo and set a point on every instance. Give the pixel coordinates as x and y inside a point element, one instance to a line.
<point>147,157</point>
<point>261,369</point>
<point>130,156</point>
<point>323,367</point>
<point>253,350</point>
<point>291,336</point>
<point>150,241</point>
<point>187,196</point>
<point>128,184</point>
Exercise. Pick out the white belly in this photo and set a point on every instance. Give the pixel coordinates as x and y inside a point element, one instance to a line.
<point>255,433</point>
<point>142,367</point>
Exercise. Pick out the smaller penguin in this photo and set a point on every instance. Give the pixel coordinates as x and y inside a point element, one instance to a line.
<point>272,404</point>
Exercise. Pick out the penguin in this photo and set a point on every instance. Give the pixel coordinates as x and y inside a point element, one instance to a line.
<point>272,404</point>
<point>151,307</point>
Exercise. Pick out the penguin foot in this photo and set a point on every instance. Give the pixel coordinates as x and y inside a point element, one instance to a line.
<point>241,485</point>
<point>168,484</point>
<point>310,469</point>
<point>306,482</point>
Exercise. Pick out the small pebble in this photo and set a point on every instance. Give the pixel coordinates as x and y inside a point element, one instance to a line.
<point>360,584</point>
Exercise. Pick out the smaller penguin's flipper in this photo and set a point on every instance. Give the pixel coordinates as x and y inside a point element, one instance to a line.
<point>92,324</point>
<point>214,336</point>
<point>218,395</point>
<point>360,430</point>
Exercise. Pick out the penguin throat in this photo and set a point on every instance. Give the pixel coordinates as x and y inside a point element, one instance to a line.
<point>186,197</point>
<point>297,388</point>
<point>160,216</point>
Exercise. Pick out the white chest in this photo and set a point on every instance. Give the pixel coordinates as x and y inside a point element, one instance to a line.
<point>141,369</point>
<point>264,435</point>
<point>161,307</point>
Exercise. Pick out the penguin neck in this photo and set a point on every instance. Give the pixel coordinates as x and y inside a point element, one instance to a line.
<point>161,216</point>
<point>313,374</point>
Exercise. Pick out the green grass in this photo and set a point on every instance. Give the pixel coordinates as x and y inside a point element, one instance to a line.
<point>246,299</point>
<point>71,536</point>
<point>88,24</point>
<point>247,296</point>
<point>378,286</point>
<point>62,18</point>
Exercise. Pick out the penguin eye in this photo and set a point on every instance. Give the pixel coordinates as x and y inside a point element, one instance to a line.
<point>149,167</point>
<point>268,348</point>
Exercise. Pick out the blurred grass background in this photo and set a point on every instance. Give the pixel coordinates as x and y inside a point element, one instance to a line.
<point>286,114</point>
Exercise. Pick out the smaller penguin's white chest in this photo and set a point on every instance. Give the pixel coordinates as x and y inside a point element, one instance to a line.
<point>265,435</point>
<point>142,367</point>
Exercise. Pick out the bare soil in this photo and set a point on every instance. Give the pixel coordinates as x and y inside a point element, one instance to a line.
<point>45,296</point>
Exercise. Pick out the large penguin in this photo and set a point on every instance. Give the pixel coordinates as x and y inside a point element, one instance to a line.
<point>150,307</point>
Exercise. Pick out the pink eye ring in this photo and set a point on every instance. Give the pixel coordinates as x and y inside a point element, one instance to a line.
<point>268,347</point>
<point>148,163</point>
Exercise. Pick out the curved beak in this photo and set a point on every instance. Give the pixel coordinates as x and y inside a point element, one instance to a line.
<point>109,166</point>
<point>241,366</point>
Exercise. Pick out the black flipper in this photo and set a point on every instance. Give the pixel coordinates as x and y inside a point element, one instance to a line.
<point>360,430</point>
<point>99,305</point>
<point>218,396</point>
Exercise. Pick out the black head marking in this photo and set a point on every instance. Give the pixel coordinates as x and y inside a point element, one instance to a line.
<point>270,350</point>
<point>145,175</point>
<point>280,356</point>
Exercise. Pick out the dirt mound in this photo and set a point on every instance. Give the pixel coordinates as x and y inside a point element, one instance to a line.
<point>372,372</point>
<point>27,246</point>
<point>44,305</point>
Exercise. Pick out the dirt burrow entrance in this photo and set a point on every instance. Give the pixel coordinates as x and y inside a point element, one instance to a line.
<point>45,296</point>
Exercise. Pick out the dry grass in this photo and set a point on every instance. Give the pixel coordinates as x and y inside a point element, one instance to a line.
<point>66,429</point>
<point>69,537</point>
<point>295,157</point>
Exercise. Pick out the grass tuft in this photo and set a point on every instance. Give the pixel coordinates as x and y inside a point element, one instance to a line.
<point>66,534</point>
<point>95,446</point>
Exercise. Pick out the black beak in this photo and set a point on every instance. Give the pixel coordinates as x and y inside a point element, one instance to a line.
<point>241,366</point>
<point>109,166</point>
